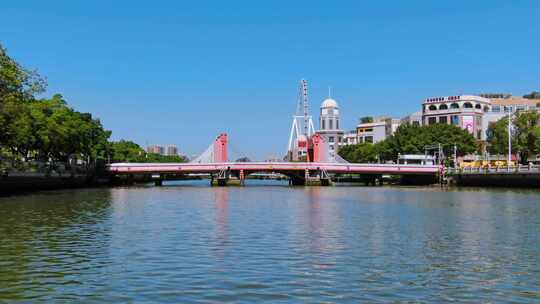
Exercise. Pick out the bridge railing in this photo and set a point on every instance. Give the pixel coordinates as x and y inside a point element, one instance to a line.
<point>495,170</point>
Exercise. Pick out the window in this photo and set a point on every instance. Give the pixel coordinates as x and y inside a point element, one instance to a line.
<point>432,120</point>
<point>454,119</point>
<point>467,105</point>
<point>339,139</point>
<point>454,106</point>
<point>478,106</point>
<point>331,139</point>
<point>443,119</point>
<point>337,123</point>
<point>369,139</point>
<point>432,107</point>
<point>443,107</point>
<point>496,109</point>
<point>323,124</point>
<point>364,130</point>
<point>360,139</point>
<point>330,124</point>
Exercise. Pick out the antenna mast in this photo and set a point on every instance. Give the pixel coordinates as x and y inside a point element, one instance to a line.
<point>305,103</point>
<point>302,122</point>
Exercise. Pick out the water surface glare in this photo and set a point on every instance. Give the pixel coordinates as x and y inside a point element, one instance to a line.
<point>266,242</point>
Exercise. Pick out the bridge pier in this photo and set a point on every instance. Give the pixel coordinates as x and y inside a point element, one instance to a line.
<point>241,177</point>
<point>158,179</point>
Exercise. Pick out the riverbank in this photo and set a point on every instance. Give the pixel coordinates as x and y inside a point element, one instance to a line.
<point>31,182</point>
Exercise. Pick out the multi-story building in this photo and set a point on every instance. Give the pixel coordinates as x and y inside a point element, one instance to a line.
<point>157,149</point>
<point>349,138</point>
<point>473,113</point>
<point>514,104</point>
<point>391,125</point>
<point>413,119</point>
<point>171,150</point>
<point>500,107</point>
<point>465,111</point>
<point>378,130</point>
<point>371,132</point>
<point>329,125</point>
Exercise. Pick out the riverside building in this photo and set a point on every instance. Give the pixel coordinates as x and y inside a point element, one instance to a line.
<point>156,149</point>
<point>171,150</point>
<point>465,111</point>
<point>378,130</point>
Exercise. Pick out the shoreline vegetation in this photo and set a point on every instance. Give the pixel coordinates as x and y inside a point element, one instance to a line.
<point>42,137</point>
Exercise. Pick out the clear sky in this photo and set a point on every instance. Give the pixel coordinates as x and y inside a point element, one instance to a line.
<point>180,72</point>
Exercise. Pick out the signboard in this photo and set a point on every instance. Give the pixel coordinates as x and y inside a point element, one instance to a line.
<point>467,123</point>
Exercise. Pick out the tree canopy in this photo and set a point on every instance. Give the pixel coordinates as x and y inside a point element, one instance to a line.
<point>532,95</point>
<point>412,139</point>
<point>49,130</point>
<point>366,119</point>
<point>524,132</point>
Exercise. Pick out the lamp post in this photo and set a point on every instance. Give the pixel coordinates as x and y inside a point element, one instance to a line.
<point>509,137</point>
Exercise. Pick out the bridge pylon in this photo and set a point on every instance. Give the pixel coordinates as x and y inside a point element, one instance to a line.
<point>220,148</point>
<point>216,152</point>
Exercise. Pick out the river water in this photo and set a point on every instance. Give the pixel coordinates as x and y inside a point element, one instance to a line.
<point>267,242</point>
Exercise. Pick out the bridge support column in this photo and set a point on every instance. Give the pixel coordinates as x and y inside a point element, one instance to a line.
<point>241,176</point>
<point>158,179</point>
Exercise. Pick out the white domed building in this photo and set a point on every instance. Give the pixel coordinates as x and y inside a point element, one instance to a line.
<point>329,125</point>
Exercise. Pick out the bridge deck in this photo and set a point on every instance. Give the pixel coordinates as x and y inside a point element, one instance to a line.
<point>127,168</point>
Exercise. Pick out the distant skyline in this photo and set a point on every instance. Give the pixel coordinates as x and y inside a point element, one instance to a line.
<point>172,72</point>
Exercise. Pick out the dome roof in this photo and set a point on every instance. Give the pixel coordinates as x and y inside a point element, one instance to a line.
<point>329,103</point>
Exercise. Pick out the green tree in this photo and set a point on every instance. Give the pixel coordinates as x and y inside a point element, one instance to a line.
<point>524,137</point>
<point>127,151</point>
<point>359,153</point>
<point>532,95</point>
<point>498,137</point>
<point>158,158</point>
<point>17,82</point>
<point>413,139</point>
<point>536,134</point>
<point>366,119</point>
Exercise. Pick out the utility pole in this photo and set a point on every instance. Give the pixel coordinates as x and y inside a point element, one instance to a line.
<point>455,156</point>
<point>509,137</point>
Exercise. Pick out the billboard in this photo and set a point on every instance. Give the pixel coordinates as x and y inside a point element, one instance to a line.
<point>467,123</point>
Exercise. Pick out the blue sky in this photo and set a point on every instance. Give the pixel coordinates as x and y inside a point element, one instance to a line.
<point>181,72</point>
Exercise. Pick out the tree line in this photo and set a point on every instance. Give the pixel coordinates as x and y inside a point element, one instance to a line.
<point>525,135</point>
<point>412,139</point>
<point>48,130</point>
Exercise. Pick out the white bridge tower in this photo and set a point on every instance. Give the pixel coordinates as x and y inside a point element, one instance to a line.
<point>302,126</point>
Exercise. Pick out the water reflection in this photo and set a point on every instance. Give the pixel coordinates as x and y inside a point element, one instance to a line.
<point>251,244</point>
<point>222,211</point>
<point>48,239</point>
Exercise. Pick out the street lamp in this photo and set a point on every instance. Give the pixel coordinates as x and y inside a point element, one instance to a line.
<point>509,136</point>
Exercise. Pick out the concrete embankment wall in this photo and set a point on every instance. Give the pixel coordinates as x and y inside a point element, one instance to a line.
<point>35,182</point>
<point>498,180</point>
